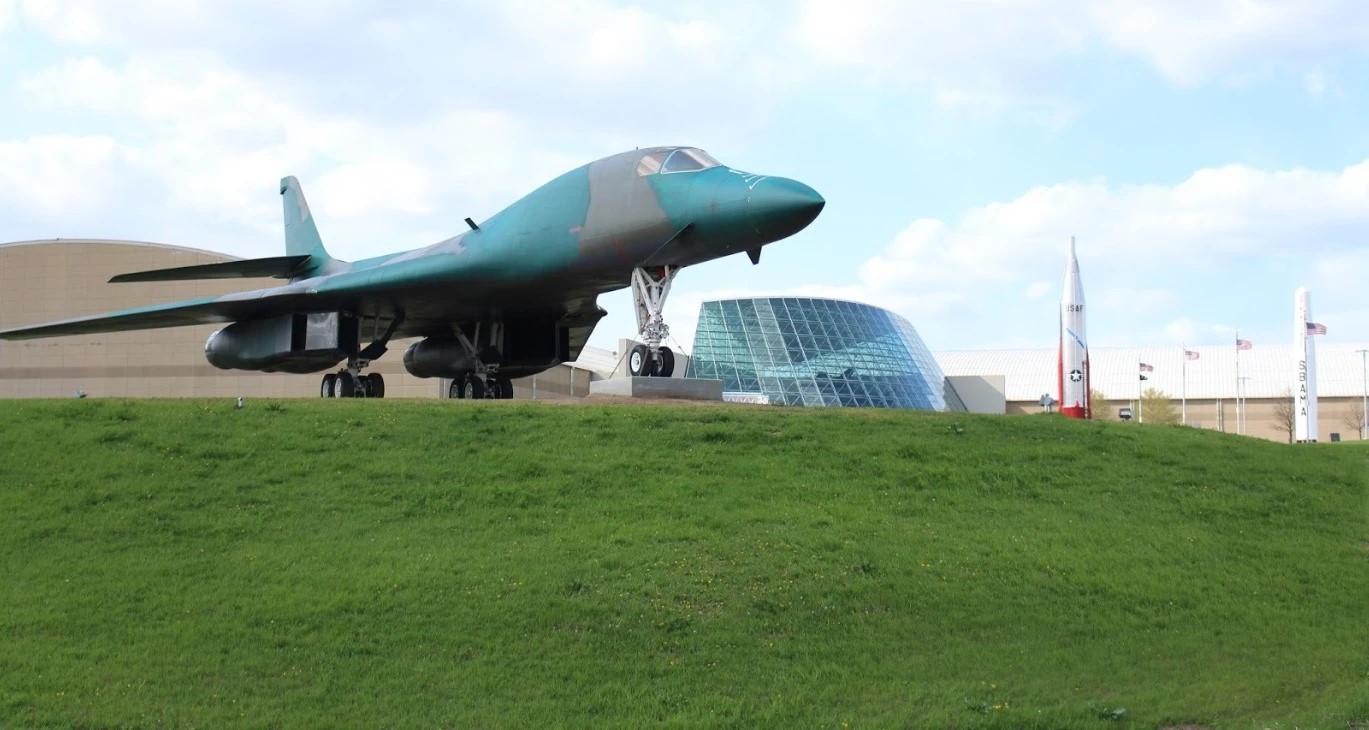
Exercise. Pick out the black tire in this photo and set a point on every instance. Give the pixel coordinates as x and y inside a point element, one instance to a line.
<point>346,385</point>
<point>504,388</point>
<point>325,389</point>
<point>639,361</point>
<point>474,388</point>
<point>454,389</point>
<point>375,386</point>
<point>667,363</point>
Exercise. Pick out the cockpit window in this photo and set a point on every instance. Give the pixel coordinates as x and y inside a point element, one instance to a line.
<point>688,160</point>
<point>650,164</point>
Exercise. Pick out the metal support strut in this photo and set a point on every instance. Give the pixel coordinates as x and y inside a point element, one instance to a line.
<point>471,350</point>
<point>650,287</point>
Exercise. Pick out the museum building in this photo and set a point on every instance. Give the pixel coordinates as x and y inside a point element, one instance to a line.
<point>817,352</point>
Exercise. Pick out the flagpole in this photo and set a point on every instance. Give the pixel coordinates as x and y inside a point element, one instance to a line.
<point>1183,389</point>
<point>1140,412</point>
<point>1238,380</point>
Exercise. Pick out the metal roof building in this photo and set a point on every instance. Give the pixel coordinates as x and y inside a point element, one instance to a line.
<point>1268,369</point>
<point>1209,383</point>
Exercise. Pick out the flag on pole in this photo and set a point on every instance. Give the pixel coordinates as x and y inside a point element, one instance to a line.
<point>1190,355</point>
<point>1147,368</point>
<point>1316,328</point>
<point>1243,344</point>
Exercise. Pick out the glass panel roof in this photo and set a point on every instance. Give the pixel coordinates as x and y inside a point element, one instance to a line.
<point>817,352</point>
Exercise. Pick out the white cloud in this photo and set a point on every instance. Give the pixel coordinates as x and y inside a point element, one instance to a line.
<point>1136,299</point>
<point>1183,330</point>
<point>406,60</point>
<point>53,174</point>
<point>86,82</point>
<point>1182,237</point>
<point>375,185</point>
<point>1190,42</point>
<point>1315,84</point>
<point>987,54</point>
<point>219,140</point>
<point>1214,214</point>
<point>981,57</point>
<point>69,22</point>
<point>6,15</point>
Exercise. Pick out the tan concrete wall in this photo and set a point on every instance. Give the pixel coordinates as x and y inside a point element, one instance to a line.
<point>48,281</point>
<point>1335,415</point>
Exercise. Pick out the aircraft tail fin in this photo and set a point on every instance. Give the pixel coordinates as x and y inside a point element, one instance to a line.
<point>301,235</point>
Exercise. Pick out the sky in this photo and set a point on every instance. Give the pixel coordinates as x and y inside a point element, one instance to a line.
<point>1208,157</point>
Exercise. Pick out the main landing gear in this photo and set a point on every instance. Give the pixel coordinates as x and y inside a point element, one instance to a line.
<point>650,287</point>
<point>476,387</point>
<point>351,383</point>
<point>485,382</point>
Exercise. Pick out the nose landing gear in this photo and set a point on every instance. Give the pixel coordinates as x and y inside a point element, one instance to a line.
<point>641,362</point>
<point>650,287</point>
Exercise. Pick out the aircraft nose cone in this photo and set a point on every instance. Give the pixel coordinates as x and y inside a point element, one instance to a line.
<point>778,207</point>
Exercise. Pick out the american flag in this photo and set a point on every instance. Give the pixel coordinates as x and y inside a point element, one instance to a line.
<point>1316,328</point>
<point>1190,355</point>
<point>1147,368</point>
<point>1243,344</point>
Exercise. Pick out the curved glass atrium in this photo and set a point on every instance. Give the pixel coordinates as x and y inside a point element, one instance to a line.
<point>816,352</point>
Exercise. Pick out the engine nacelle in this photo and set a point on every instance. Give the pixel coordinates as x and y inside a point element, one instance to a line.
<point>521,346</point>
<point>438,359</point>
<point>291,343</point>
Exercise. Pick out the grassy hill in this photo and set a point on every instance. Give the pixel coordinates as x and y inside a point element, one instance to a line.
<point>410,564</point>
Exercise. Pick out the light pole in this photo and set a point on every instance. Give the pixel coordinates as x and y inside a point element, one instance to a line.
<point>1364,394</point>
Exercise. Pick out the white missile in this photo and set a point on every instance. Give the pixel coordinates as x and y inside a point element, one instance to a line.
<point>1074,349</point>
<point>1304,367</point>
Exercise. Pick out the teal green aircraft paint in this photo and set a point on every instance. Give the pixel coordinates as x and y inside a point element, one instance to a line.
<point>513,295</point>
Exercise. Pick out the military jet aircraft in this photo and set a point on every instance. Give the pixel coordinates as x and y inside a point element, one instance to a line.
<point>512,296</point>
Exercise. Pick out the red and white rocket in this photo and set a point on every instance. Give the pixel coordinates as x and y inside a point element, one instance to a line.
<point>1074,349</point>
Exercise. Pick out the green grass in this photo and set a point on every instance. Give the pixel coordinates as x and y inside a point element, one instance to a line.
<point>427,564</point>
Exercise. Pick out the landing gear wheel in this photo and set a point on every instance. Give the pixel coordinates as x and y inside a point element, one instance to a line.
<point>665,367</point>
<point>345,386</point>
<point>375,386</point>
<point>325,389</point>
<point>639,361</point>
<point>503,388</point>
<point>474,388</point>
<point>454,389</point>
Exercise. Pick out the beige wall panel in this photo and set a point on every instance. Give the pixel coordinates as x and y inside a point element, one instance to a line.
<point>1335,416</point>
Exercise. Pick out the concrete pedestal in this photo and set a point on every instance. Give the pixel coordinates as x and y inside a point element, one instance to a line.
<point>637,387</point>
